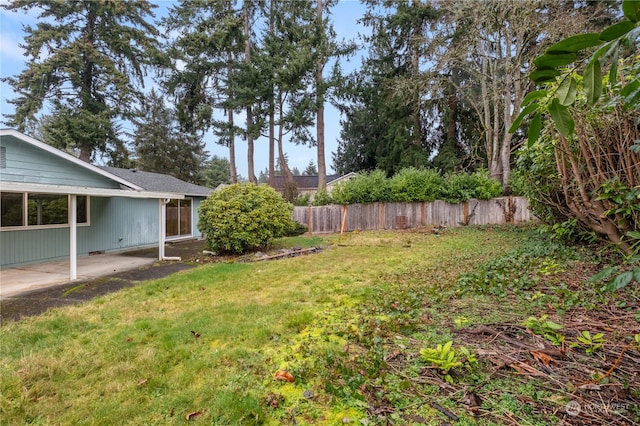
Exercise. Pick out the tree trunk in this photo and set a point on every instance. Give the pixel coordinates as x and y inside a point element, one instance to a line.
<point>233,174</point>
<point>272,136</point>
<point>247,56</point>
<point>322,168</point>
<point>283,163</point>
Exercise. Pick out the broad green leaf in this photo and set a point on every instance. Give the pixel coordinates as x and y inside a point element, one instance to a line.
<point>631,92</point>
<point>636,274</point>
<point>553,325</point>
<point>631,10</point>
<point>534,130</point>
<point>567,91</point>
<point>575,44</point>
<point>526,111</point>
<point>540,76</point>
<point>554,60</point>
<point>613,71</point>
<point>605,50</point>
<point>532,96</point>
<point>617,30</point>
<point>593,81</point>
<point>562,118</point>
<point>620,281</point>
<point>605,273</point>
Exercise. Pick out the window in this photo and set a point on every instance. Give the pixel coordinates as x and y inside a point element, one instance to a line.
<point>178,221</point>
<point>47,209</point>
<point>33,209</point>
<point>12,208</point>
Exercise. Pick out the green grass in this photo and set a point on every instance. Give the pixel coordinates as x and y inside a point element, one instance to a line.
<point>331,319</point>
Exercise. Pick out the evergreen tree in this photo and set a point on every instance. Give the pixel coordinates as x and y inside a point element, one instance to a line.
<point>160,144</point>
<point>382,102</point>
<point>286,64</point>
<point>207,55</point>
<point>310,170</point>
<point>215,172</point>
<point>86,63</point>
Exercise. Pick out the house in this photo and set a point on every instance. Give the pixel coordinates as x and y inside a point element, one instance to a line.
<point>113,209</point>
<point>309,184</point>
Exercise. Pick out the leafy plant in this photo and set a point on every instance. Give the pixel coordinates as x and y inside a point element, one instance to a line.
<point>616,276</point>
<point>572,134</point>
<point>446,358</point>
<point>322,198</point>
<point>545,328</point>
<point>588,342</point>
<point>240,217</point>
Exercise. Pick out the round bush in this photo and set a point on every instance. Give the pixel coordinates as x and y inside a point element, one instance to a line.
<point>244,216</point>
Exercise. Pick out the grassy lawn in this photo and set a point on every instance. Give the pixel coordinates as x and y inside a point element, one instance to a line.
<point>209,345</point>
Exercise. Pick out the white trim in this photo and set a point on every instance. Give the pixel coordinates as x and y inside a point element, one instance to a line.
<point>67,157</point>
<point>348,176</point>
<point>73,238</point>
<point>7,186</point>
<point>163,230</point>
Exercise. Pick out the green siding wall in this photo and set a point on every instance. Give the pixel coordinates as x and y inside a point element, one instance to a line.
<point>29,164</point>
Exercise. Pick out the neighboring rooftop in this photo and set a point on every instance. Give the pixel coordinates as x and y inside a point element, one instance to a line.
<point>302,182</point>
<point>158,182</point>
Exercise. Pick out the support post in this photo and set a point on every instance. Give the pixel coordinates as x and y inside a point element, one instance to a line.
<point>73,240</point>
<point>162,234</point>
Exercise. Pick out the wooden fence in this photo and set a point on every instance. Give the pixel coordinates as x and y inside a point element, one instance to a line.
<point>339,218</point>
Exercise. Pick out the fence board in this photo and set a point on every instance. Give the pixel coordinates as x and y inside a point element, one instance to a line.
<point>329,219</point>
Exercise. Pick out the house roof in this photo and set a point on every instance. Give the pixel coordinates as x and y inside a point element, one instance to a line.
<point>302,182</point>
<point>127,188</point>
<point>158,182</point>
<point>68,157</point>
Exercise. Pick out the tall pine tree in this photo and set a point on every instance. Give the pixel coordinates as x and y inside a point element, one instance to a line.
<point>86,65</point>
<point>160,144</point>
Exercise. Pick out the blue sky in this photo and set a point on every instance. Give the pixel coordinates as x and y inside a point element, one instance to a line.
<point>344,16</point>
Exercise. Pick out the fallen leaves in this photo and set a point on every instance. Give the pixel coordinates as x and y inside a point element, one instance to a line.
<point>284,375</point>
<point>193,415</point>
<point>542,357</point>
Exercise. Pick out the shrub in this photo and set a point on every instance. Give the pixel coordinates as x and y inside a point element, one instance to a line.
<point>245,216</point>
<point>460,187</point>
<point>322,198</point>
<point>416,185</point>
<point>302,200</point>
<point>364,188</point>
<point>411,185</point>
<point>290,191</point>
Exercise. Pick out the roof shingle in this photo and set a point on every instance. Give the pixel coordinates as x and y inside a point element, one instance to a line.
<point>158,182</point>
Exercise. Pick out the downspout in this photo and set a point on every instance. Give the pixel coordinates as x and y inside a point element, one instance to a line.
<point>163,231</point>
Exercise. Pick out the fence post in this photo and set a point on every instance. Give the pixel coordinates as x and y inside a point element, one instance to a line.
<point>423,215</point>
<point>465,212</point>
<point>344,218</point>
<point>309,219</point>
<point>382,216</point>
